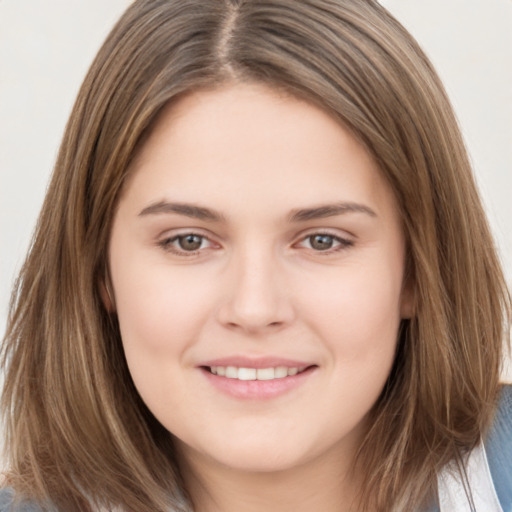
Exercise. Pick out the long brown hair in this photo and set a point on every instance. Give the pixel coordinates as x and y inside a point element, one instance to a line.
<point>77,433</point>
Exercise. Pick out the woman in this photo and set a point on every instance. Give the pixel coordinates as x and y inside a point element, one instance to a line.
<point>262,278</point>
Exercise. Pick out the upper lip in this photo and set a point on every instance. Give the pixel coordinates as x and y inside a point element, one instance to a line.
<point>256,362</point>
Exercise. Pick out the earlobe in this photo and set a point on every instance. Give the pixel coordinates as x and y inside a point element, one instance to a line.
<point>106,294</point>
<point>408,300</point>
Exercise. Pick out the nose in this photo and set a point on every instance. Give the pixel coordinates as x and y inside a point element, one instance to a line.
<point>257,299</point>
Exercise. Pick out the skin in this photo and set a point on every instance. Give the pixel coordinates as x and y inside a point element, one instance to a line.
<point>259,286</point>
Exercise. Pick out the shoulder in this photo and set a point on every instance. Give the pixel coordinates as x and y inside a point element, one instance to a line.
<point>7,503</point>
<point>499,440</point>
<point>498,447</point>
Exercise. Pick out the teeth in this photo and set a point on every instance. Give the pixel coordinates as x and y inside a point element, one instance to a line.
<point>246,373</point>
<point>232,372</point>
<point>265,374</point>
<point>281,371</point>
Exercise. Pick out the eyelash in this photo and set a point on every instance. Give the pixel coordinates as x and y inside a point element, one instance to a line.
<point>342,243</point>
<point>167,243</point>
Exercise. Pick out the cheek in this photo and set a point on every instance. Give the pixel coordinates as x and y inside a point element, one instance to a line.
<point>358,312</point>
<point>160,315</point>
<point>159,308</point>
<point>357,318</point>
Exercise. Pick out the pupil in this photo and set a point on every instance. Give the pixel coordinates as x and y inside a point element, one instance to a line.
<point>190,242</point>
<point>321,242</point>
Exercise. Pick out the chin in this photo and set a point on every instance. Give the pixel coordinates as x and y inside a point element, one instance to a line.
<point>255,456</point>
<point>260,461</point>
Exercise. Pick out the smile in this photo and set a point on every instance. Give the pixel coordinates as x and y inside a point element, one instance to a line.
<point>259,379</point>
<point>233,372</point>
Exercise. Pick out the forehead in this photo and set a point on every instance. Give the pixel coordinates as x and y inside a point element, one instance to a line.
<point>247,140</point>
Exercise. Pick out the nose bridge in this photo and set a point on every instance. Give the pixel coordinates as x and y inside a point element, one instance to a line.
<point>258,297</point>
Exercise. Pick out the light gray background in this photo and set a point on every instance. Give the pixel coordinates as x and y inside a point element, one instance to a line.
<point>46,47</point>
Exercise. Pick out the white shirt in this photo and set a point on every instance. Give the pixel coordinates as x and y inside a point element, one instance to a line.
<point>452,493</point>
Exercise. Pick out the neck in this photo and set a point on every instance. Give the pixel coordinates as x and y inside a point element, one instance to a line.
<point>325,485</point>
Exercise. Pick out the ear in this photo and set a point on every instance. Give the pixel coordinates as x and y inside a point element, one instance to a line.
<point>106,294</point>
<point>408,298</point>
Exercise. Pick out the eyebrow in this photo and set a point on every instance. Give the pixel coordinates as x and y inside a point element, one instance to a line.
<point>188,210</point>
<point>297,215</point>
<point>329,210</point>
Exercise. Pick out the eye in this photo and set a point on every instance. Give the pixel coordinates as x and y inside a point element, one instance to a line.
<point>190,242</point>
<point>325,242</point>
<point>186,243</point>
<point>321,242</point>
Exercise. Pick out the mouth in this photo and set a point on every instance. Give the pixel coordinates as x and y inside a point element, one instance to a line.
<point>257,377</point>
<point>259,374</point>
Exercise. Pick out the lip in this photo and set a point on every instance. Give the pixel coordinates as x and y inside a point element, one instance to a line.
<point>256,362</point>
<point>257,389</point>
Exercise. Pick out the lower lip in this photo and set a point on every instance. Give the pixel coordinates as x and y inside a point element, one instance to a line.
<point>258,389</point>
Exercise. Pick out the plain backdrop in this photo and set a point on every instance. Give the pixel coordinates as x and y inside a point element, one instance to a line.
<point>46,47</point>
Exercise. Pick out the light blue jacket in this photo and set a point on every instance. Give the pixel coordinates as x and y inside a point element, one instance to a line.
<point>498,448</point>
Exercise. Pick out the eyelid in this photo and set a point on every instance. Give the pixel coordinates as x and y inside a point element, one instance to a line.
<point>166,240</point>
<point>344,241</point>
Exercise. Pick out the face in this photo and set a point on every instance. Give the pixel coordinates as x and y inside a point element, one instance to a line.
<point>257,262</point>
